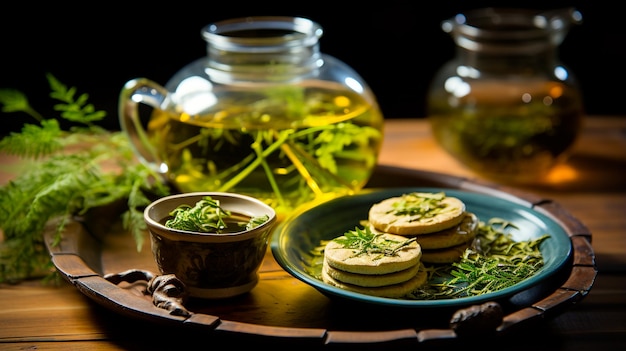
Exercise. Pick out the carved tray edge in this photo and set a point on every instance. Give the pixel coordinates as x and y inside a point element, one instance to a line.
<point>78,243</point>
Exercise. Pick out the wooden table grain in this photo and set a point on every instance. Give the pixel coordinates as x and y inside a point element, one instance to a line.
<point>590,185</point>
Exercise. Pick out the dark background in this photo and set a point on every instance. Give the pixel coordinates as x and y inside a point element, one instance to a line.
<point>396,46</point>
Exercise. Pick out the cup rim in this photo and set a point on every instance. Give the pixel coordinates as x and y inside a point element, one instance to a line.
<point>186,235</point>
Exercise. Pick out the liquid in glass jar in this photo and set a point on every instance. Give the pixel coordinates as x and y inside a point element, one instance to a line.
<point>505,106</point>
<point>286,146</point>
<point>509,131</point>
<point>264,114</point>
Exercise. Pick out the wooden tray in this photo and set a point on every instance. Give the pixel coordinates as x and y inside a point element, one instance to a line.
<point>282,308</point>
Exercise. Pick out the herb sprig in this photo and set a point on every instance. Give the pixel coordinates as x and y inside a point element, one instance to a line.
<point>207,216</point>
<point>66,173</point>
<point>420,205</point>
<point>495,261</point>
<point>364,241</point>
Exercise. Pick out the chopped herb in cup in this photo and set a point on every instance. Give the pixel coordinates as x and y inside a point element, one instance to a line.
<point>207,216</point>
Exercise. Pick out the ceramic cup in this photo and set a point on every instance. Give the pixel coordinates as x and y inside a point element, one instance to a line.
<point>211,265</point>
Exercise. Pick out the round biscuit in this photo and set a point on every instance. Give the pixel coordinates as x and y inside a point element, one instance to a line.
<point>445,255</point>
<point>383,217</point>
<point>458,234</point>
<point>350,260</point>
<point>390,291</point>
<point>371,280</point>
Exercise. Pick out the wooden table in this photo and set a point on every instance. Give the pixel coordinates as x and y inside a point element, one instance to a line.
<point>591,186</point>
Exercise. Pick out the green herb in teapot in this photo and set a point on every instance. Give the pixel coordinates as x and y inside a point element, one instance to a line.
<point>264,114</point>
<point>322,142</point>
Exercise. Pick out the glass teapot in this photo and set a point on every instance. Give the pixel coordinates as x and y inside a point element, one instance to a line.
<point>505,106</point>
<point>264,114</point>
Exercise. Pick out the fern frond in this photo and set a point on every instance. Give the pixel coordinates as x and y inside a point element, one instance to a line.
<point>143,180</point>
<point>51,190</point>
<point>83,168</point>
<point>75,109</point>
<point>16,101</point>
<point>34,141</point>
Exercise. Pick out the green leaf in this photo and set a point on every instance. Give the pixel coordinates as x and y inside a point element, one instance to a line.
<point>34,141</point>
<point>364,241</point>
<point>73,109</point>
<point>15,101</point>
<point>74,171</point>
<point>206,216</point>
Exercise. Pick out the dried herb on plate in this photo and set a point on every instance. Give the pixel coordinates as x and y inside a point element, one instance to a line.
<point>495,261</point>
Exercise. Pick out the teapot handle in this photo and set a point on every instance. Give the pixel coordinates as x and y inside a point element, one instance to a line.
<point>135,92</point>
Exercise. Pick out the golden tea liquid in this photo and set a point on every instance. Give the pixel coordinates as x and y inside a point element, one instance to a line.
<point>505,105</point>
<point>508,131</point>
<point>286,146</point>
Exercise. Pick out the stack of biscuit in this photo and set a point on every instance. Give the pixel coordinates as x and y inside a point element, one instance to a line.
<point>440,224</point>
<point>388,266</point>
<point>402,233</point>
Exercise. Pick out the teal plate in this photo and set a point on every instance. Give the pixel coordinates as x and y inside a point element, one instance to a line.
<point>294,239</point>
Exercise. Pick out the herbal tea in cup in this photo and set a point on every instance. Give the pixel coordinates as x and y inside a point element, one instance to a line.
<point>213,242</point>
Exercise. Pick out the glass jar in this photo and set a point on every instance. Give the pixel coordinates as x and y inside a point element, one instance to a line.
<point>264,114</point>
<point>505,106</point>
